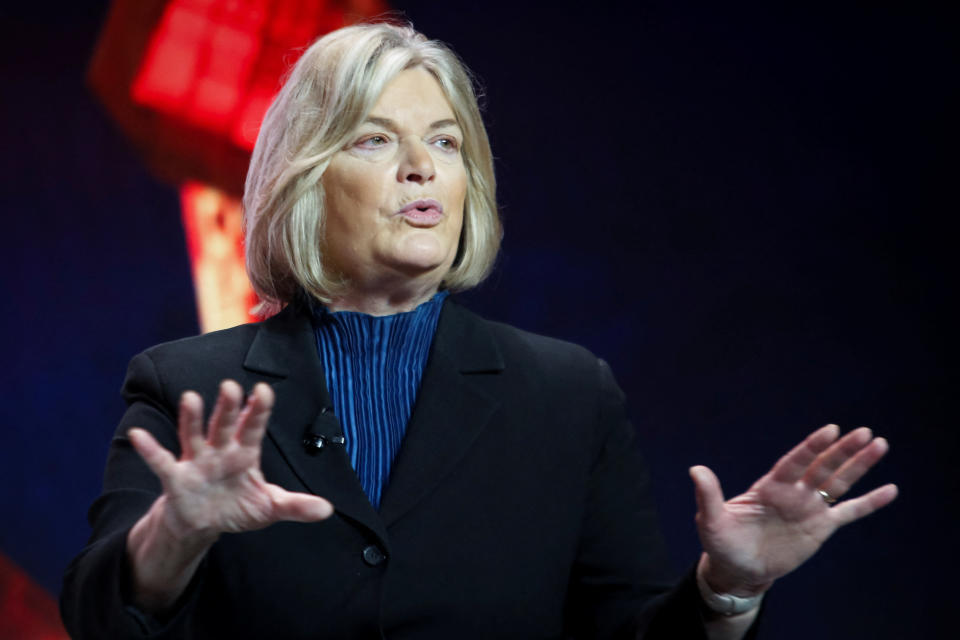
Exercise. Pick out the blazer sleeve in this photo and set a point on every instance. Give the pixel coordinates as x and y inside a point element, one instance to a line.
<point>94,601</point>
<point>621,581</point>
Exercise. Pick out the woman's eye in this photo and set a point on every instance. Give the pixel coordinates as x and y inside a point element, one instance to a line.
<point>447,144</point>
<point>371,142</point>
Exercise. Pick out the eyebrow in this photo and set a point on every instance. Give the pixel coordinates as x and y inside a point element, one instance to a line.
<point>390,124</point>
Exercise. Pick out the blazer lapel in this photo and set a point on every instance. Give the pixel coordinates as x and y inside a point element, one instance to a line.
<point>285,347</point>
<point>450,412</point>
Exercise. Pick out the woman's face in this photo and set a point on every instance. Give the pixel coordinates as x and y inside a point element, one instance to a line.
<point>395,194</point>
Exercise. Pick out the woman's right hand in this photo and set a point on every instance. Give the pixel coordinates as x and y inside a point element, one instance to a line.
<point>215,487</point>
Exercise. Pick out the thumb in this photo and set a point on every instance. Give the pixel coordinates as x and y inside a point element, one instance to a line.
<point>299,507</point>
<point>708,492</point>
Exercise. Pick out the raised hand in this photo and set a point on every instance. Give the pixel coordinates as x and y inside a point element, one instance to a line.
<point>751,540</point>
<point>215,487</point>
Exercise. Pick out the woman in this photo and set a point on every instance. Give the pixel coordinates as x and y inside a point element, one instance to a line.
<point>516,505</point>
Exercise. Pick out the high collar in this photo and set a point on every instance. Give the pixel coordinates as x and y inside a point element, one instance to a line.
<point>450,412</point>
<point>285,341</point>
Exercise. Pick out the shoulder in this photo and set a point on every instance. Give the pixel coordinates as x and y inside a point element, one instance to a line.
<point>162,372</point>
<point>546,358</point>
<point>555,390</point>
<point>227,344</point>
<point>535,348</point>
<point>201,362</point>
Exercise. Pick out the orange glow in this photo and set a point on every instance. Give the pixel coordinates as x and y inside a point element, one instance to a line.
<point>213,223</point>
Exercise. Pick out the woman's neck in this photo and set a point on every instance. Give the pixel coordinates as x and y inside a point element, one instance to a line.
<point>382,303</point>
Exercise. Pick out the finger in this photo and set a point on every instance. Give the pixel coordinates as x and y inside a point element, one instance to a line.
<point>190,425</point>
<point>298,507</point>
<point>256,415</point>
<point>850,510</point>
<point>835,456</point>
<point>709,494</point>
<point>791,467</point>
<point>160,461</point>
<point>856,467</point>
<point>223,421</point>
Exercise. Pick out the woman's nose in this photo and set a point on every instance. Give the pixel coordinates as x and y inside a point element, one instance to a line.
<point>416,164</point>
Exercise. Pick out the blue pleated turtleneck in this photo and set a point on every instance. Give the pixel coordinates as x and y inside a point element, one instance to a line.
<point>373,366</point>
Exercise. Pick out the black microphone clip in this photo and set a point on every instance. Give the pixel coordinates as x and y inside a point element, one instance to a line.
<point>314,443</point>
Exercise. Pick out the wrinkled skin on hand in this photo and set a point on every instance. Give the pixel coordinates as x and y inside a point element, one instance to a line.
<point>216,486</point>
<point>778,523</point>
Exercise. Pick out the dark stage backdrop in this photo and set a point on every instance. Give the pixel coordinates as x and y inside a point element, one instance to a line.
<point>743,209</point>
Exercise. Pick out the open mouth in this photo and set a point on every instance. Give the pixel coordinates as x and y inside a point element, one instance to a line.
<point>425,213</point>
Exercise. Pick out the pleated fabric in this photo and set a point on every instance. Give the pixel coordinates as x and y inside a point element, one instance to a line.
<point>373,366</point>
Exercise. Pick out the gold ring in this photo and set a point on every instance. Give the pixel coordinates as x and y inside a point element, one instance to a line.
<point>829,499</point>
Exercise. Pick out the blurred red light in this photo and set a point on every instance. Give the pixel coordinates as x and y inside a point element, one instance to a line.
<point>216,65</point>
<point>26,610</point>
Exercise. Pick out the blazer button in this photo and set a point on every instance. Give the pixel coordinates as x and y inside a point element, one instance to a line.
<point>373,556</point>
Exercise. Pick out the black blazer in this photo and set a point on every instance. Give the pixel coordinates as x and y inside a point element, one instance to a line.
<point>518,506</point>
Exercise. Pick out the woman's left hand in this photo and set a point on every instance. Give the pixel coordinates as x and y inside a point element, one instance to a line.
<point>777,524</point>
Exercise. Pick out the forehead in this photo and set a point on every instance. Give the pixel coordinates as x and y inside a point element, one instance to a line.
<point>413,95</point>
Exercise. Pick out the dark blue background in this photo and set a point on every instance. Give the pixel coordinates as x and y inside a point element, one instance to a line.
<point>745,210</point>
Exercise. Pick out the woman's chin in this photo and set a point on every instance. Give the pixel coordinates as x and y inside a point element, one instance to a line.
<point>419,267</point>
<point>419,256</point>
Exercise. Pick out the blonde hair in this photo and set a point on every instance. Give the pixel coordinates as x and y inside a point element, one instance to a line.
<point>328,94</point>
